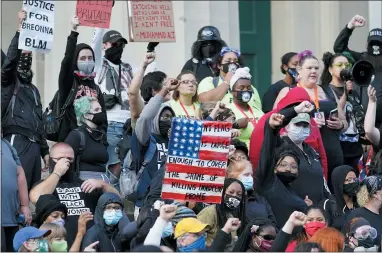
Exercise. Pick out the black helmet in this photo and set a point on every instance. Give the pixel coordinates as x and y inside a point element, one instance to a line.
<point>208,33</point>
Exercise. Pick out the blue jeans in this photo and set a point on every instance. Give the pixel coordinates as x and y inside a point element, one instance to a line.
<point>114,135</point>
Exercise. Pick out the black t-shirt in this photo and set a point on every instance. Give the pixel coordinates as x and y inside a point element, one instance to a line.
<point>77,202</point>
<point>94,156</point>
<point>271,94</point>
<point>374,219</point>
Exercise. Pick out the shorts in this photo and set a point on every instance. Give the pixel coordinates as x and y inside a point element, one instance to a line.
<point>114,136</point>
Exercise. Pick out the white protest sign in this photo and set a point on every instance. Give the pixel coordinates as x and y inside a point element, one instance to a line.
<point>37,30</point>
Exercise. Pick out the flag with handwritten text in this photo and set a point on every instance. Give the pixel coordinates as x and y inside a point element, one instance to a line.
<point>197,160</point>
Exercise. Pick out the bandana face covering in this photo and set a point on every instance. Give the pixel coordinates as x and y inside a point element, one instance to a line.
<point>24,67</point>
<point>231,202</point>
<point>114,54</point>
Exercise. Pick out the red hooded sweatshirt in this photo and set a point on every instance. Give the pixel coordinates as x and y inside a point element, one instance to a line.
<point>294,97</point>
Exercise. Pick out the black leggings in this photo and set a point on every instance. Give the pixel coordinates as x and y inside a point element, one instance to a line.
<point>7,235</point>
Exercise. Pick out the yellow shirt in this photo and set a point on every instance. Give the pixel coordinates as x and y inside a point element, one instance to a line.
<point>193,111</point>
<point>254,115</point>
<point>207,84</point>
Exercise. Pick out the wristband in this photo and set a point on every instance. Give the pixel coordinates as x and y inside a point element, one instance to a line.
<point>57,174</point>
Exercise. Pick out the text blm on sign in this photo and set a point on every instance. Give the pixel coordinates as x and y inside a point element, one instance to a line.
<point>197,160</point>
<point>38,28</point>
<point>152,21</point>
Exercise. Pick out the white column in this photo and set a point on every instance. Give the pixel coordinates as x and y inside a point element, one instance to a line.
<point>375,14</point>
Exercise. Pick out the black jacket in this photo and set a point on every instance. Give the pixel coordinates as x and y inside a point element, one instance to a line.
<point>68,80</point>
<point>201,69</point>
<point>21,106</point>
<point>109,237</point>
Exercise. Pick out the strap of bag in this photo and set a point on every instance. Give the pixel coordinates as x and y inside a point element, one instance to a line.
<point>215,81</point>
<point>70,97</point>
<point>147,157</point>
<point>11,104</point>
<point>80,149</point>
<point>194,67</point>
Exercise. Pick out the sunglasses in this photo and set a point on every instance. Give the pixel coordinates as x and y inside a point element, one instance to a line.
<point>342,65</point>
<point>228,49</point>
<point>268,237</point>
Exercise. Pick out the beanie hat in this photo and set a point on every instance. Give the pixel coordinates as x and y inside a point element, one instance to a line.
<point>46,205</point>
<point>181,213</point>
<point>240,73</point>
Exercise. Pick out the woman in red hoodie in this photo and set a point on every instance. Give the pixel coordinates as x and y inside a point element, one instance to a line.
<point>295,97</point>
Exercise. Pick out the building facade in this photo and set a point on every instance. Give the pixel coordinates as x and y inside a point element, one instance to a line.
<point>262,30</point>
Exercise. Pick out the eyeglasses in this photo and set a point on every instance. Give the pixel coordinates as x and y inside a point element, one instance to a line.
<point>116,208</point>
<point>189,82</point>
<point>364,232</point>
<point>228,49</point>
<point>268,237</point>
<point>285,165</point>
<point>343,65</point>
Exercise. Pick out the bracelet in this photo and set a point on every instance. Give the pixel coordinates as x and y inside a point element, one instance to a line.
<point>57,174</point>
<point>24,205</point>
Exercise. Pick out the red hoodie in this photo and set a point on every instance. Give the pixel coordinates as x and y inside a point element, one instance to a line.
<point>294,96</point>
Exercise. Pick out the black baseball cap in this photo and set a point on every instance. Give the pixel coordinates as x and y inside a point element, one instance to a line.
<point>113,36</point>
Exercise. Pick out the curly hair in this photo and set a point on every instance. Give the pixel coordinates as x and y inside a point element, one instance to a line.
<point>82,107</point>
<point>153,81</point>
<point>328,59</point>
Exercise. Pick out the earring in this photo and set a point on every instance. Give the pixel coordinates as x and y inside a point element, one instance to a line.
<point>298,77</point>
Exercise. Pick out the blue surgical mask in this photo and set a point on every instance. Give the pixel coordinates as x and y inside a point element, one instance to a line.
<point>112,217</point>
<point>168,230</point>
<point>59,222</point>
<point>199,244</point>
<point>247,182</point>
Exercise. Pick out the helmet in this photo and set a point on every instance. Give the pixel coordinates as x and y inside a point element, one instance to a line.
<point>208,33</point>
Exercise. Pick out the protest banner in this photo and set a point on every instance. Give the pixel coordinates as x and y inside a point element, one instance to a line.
<point>151,21</point>
<point>197,160</point>
<point>38,28</point>
<point>94,13</point>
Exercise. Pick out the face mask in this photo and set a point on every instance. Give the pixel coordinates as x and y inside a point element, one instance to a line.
<point>86,67</point>
<point>351,189</point>
<point>293,73</point>
<point>99,118</point>
<point>42,246</point>
<point>24,68</point>
<point>265,245</point>
<point>59,246</point>
<point>231,202</point>
<point>168,230</point>
<point>199,244</point>
<point>114,54</point>
<point>368,242</point>
<point>164,126</point>
<point>112,217</point>
<point>230,67</point>
<point>59,222</point>
<point>312,227</point>
<point>298,134</point>
<point>207,51</point>
<point>244,96</point>
<point>286,177</point>
<point>374,48</point>
<point>247,182</point>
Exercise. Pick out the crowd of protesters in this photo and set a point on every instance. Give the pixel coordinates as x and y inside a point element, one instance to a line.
<point>304,169</point>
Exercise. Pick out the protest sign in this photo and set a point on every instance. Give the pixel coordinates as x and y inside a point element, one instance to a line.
<point>37,30</point>
<point>197,160</point>
<point>94,13</point>
<point>152,21</point>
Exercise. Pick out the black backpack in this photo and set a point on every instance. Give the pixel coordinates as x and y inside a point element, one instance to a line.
<point>53,115</point>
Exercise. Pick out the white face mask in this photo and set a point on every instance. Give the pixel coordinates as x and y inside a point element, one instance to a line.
<point>298,134</point>
<point>86,67</point>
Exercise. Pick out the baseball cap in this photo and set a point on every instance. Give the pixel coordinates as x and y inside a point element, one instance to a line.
<point>189,225</point>
<point>301,117</point>
<point>113,36</point>
<point>375,35</point>
<point>27,233</point>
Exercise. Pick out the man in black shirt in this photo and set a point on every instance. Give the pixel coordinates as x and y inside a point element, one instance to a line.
<point>63,182</point>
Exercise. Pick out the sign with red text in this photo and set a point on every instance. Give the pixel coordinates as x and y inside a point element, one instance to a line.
<point>197,160</point>
<point>152,21</point>
<point>94,13</point>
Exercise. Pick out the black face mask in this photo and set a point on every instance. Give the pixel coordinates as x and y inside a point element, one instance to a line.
<point>24,68</point>
<point>374,48</point>
<point>244,95</point>
<point>99,118</point>
<point>293,73</point>
<point>351,189</point>
<point>70,174</point>
<point>286,177</point>
<point>230,67</point>
<point>207,51</point>
<point>366,243</point>
<point>231,202</point>
<point>114,54</point>
<point>164,126</point>
<point>96,134</point>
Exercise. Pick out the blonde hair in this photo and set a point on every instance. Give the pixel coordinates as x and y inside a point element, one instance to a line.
<point>57,231</point>
<point>235,168</point>
<point>363,196</point>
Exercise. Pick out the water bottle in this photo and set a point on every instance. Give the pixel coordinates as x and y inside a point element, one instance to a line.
<point>20,218</point>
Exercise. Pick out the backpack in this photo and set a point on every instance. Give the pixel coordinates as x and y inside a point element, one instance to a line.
<point>53,115</point>
<point>80,149</point>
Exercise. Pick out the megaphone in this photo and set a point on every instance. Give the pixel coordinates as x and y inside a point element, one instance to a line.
<point>362,73</point>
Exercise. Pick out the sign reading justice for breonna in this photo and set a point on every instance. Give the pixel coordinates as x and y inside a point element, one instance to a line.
<point>37,29</point>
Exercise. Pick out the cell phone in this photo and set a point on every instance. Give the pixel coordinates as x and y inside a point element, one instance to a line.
<point>333,113</point>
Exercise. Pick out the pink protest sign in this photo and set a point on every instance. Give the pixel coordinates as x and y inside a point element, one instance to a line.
<point>94,13</point>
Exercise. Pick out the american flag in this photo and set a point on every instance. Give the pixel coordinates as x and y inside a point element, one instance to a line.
<point>197,160</point>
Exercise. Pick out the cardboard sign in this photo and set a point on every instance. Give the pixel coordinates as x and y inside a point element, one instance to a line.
<point>94,13</point>
<point>197,160</point>
<point>38,28</point>
<point>152,21</point>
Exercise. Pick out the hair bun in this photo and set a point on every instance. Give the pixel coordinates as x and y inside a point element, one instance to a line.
<point>304,54</point>
<point>327,58</point>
